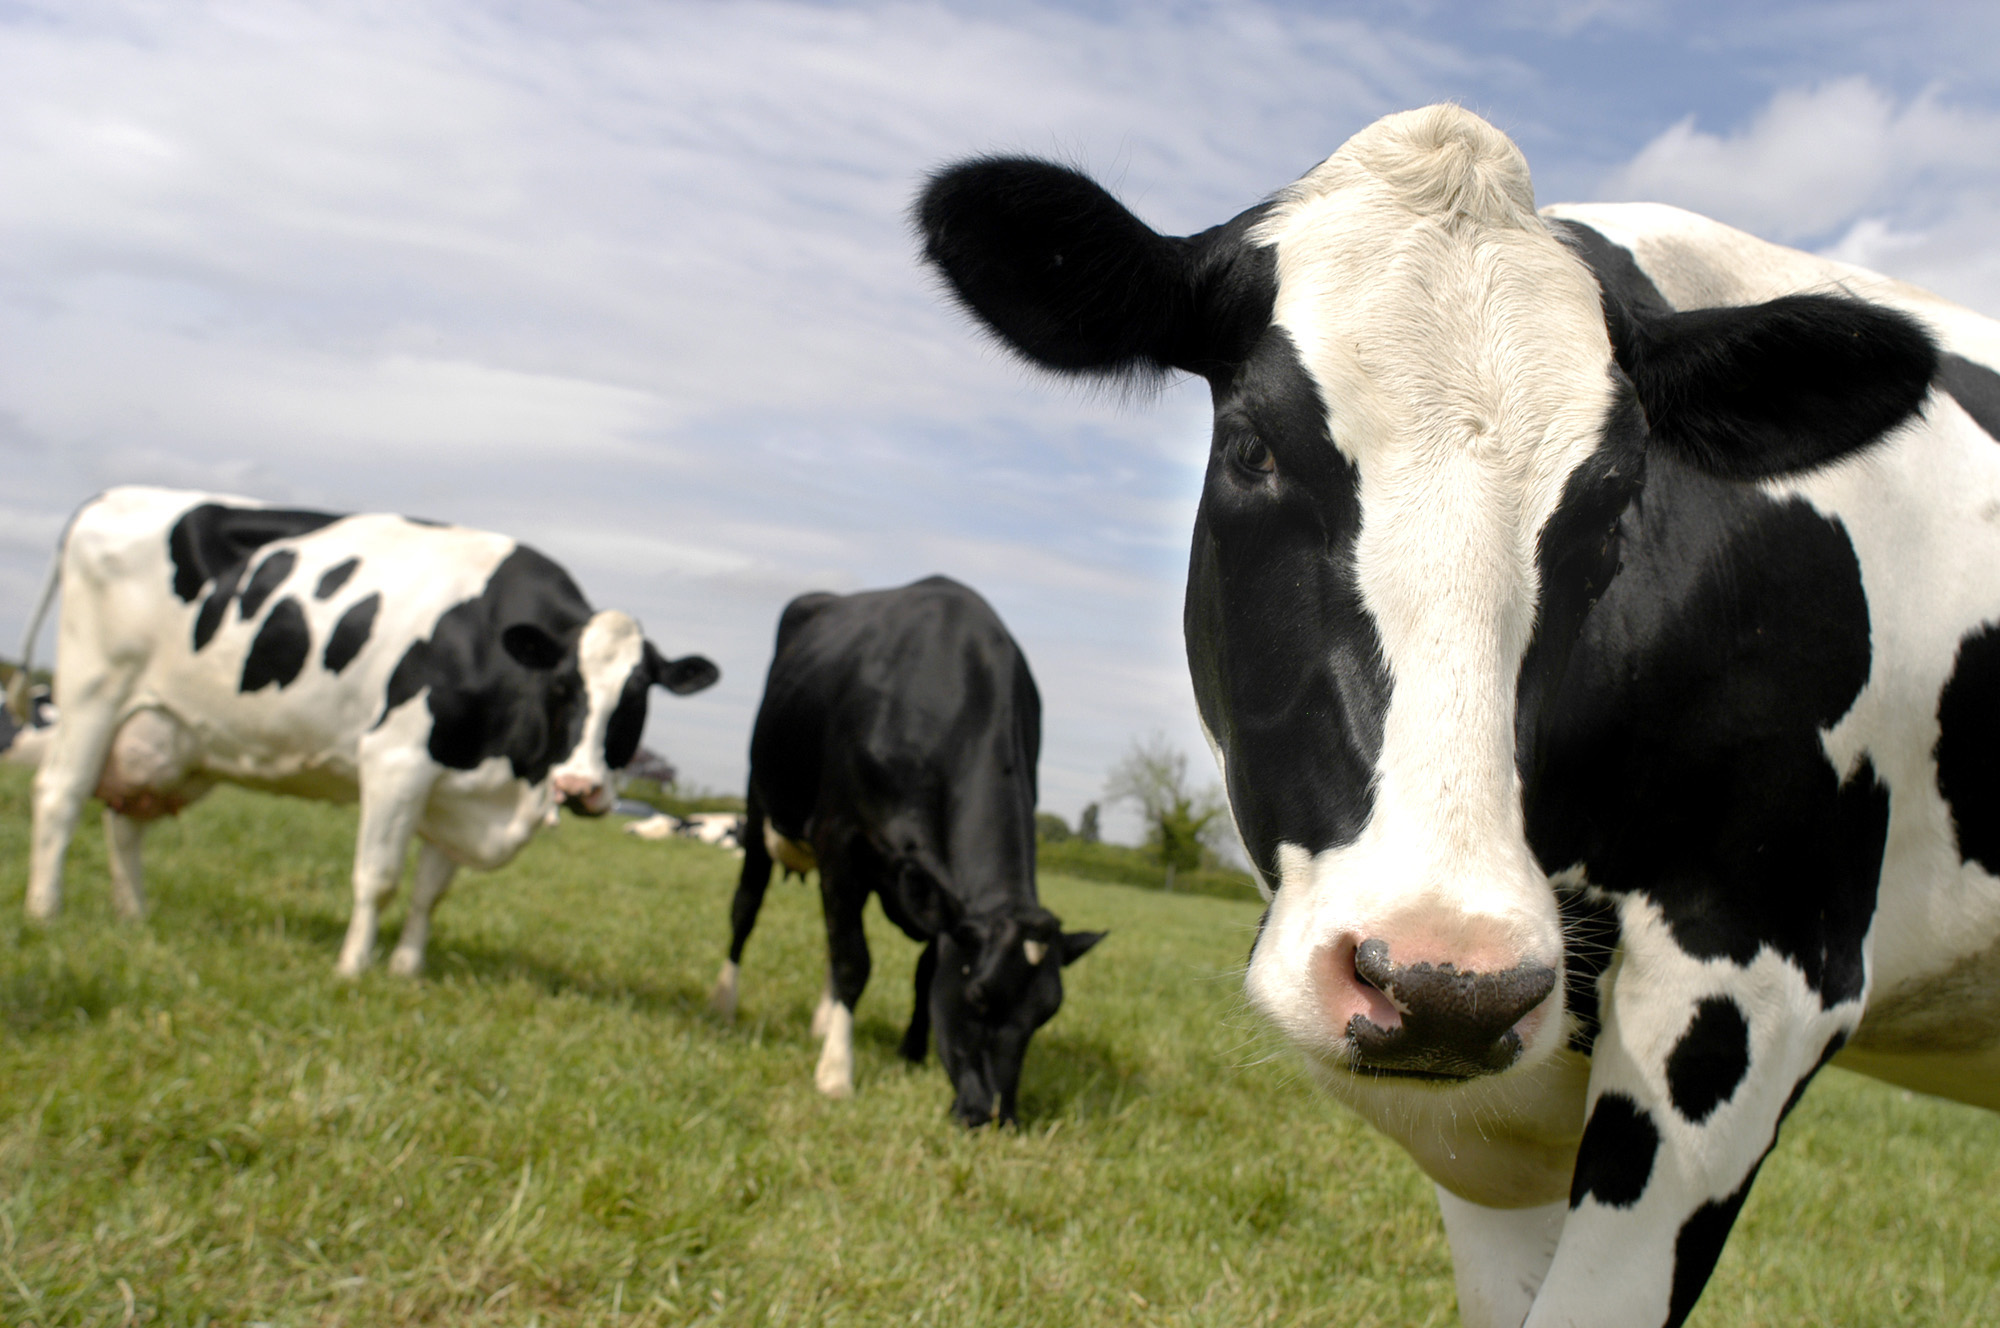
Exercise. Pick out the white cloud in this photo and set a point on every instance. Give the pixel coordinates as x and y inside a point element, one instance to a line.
<point>1814,158</point>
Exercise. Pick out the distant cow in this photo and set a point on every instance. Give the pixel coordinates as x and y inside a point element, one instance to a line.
<point>895,751</point>
<point>723,829</point>
<point>1595,615</point>
<point>455,682</point>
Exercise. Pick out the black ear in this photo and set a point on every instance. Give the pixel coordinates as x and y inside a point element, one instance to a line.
<point>1076,944</point>
<point>1770,389</point>
<point>1058,268</point>
<point>683,676</point>
<point>531,647</point>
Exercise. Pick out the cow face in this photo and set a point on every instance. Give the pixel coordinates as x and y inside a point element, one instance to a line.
<point>998,980</point>
<point>597,698</point>
<point>1428,420</point>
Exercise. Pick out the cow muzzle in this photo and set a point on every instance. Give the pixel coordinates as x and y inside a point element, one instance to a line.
<point>582,795</point>
<point>1434,1021</point>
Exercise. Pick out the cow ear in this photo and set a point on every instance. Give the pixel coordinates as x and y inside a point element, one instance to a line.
<point>1771,389</point>
<point>683,676</point>
<point>1076,944</point>
<point>531,647</point>
<point>1058,268</point>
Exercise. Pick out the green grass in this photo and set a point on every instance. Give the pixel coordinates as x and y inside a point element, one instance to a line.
<point>198,1121</point>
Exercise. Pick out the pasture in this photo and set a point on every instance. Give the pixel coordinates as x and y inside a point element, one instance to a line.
<point>199,1123</point>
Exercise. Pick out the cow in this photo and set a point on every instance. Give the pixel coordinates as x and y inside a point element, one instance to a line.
<point>454,682</point>
<point>894,752</point>
<point>722,829</point>
<point>1595,614</point>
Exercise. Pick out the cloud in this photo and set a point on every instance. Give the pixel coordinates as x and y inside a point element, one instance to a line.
<point>1813,159</point>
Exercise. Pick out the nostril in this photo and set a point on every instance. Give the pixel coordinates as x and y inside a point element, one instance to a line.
<point>1454,1023</point>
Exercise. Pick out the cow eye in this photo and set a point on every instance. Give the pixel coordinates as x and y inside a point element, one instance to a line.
<point>1251,455</point>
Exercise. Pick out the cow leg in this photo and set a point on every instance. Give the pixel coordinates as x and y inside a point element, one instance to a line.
<point>743,909</point>
<point>823,1012</point>
<point>1500,1256</point>
<point>1697,1063</point>
<point>390,807</point>
<point>917,1038</point>
<point>70,770</point>
<point>433,878</point>
<point>122,838</point>
<point>841,896</point>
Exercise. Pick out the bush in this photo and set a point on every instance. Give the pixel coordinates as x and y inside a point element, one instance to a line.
<point>1121,865</point>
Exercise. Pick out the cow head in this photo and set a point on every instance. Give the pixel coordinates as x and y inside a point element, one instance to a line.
<point>999,978</point>
<point>1428,420</point>
<point>597,696</point>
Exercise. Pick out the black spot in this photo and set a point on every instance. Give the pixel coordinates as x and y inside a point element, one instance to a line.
<point>1968,747</point>
<point>211,538</point>
<point>628,720</point>
<point>1699,1245</point>
<point>1284,656</point>
<point>216,606</point>
<point>483,702</point>
<point>334,577</point>
<point>426,522</point>
<point>1975,388</point>
<point>1614,1161</point>
<point>280,650</point>
<point>1709,1062</point>
<point>270,574</point>
<point>1680,756</point>
<point>351,633</point>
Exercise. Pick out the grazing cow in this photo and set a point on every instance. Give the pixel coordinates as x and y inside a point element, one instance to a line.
<point>1594,614</point>
<point>895,752</point>
<point>453,681</point>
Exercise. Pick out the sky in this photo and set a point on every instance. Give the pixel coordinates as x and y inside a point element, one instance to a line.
<point>635,283</point>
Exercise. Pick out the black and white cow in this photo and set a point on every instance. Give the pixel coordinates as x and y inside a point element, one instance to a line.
<point>453,681</point>
<point>1596,614</point>
<point>894,751</point>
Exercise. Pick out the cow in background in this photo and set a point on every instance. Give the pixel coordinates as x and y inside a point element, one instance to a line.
<point>1594,613</point>
<point>453,681</point>
<point>894,751</point>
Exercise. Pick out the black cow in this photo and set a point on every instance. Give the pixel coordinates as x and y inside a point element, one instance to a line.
<point>453,681</point>
<point>1594,612</point>
<point>895,752</point>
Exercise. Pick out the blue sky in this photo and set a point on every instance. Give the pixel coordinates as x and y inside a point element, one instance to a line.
<point>633,282</point>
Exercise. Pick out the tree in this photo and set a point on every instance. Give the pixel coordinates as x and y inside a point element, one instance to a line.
<point>1086,824</point>
<point>1050,828</point>
<point>1153,773</point>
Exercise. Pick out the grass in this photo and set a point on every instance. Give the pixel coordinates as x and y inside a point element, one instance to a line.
<point>199,1123</point>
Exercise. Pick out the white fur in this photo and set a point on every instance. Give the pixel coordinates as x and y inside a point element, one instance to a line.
<point>835,1073</point>
<point>1500,1256</point>
<point>722,1000</point>
<point>1462,354</point>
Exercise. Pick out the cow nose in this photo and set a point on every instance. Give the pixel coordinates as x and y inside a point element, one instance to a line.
<point>1454,1025</point>
<point>585,795</point>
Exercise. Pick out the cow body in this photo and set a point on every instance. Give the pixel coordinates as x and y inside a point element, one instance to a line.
<point>452,681</point>
<point>1594,615</point>
<point>894,752</point>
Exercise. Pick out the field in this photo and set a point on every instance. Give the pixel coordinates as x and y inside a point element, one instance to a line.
<point>198,1123</point>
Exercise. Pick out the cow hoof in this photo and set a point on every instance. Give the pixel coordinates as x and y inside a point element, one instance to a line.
<point>406,964</point>
<point>722,999</point>
<point>43,907</point>
<point>839,1087</point>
